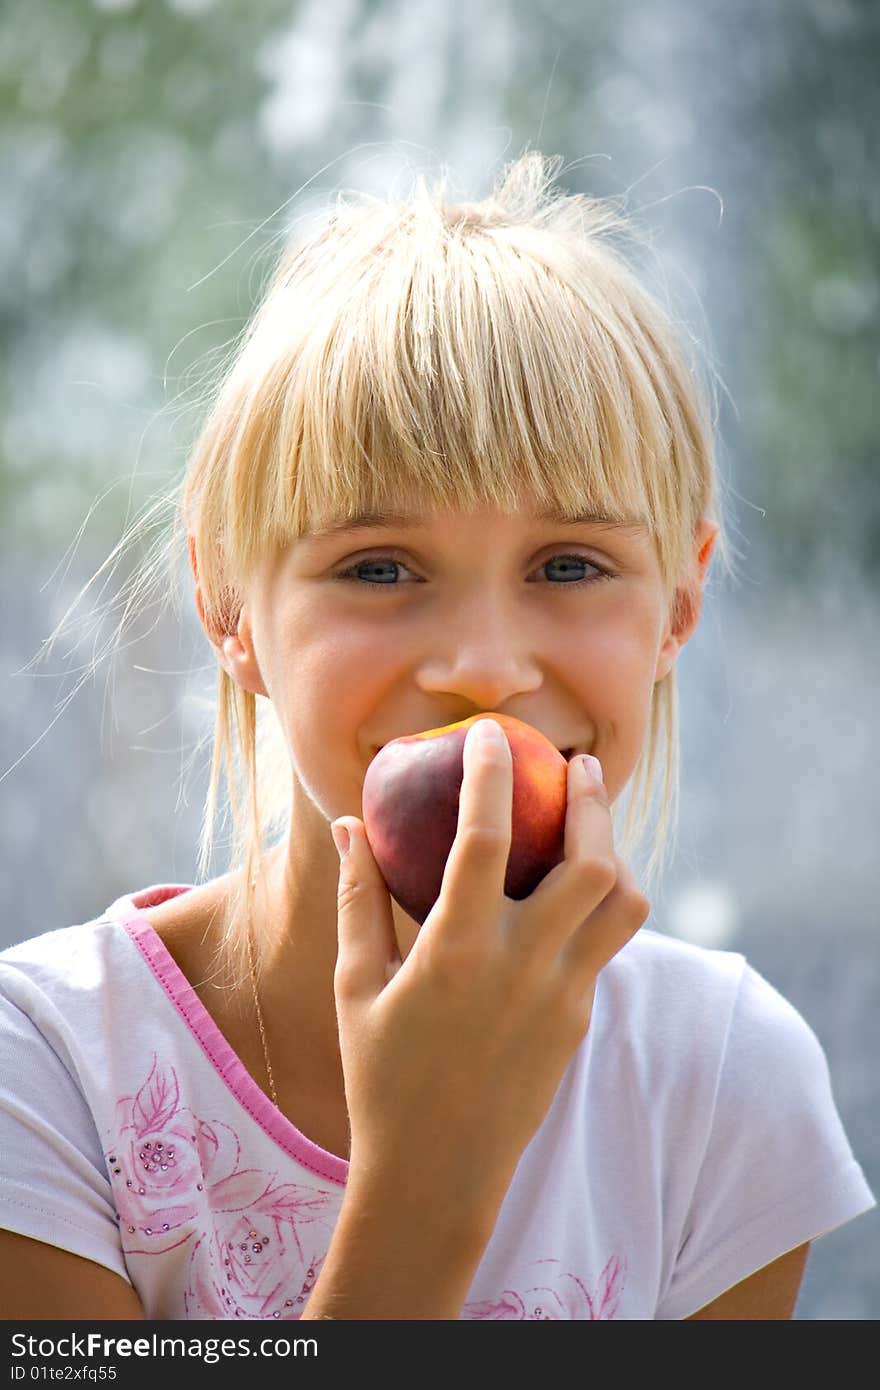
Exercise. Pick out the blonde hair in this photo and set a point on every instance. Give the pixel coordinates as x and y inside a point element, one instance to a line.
<point>436,352</point>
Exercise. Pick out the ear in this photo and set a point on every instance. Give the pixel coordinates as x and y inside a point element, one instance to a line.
<point>234,646</point>
<point>688,601</point>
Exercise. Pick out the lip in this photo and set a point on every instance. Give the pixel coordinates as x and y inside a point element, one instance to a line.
<point>567,752</point>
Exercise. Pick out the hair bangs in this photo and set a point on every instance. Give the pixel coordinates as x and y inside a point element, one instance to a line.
<point>453,372</point>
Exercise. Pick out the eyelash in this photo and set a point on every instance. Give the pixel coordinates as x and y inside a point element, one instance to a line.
<point>349,575</point>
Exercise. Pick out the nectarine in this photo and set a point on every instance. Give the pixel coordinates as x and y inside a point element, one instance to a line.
<point>410,809</point>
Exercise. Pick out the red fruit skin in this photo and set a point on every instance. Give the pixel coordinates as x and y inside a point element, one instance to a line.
<point>410,810</point>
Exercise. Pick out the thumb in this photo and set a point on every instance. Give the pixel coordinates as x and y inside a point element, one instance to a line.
<point>365,924</point>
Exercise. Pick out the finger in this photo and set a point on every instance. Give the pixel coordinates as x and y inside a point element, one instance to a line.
<point>575,888</point>
<point>613,923</point>
<point>364,919</point>
<point>472,890</point>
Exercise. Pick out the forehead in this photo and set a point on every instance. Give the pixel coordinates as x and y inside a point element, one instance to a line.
<point>375,518</point>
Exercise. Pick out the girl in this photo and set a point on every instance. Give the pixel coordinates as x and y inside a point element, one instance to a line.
<point>459,466</point>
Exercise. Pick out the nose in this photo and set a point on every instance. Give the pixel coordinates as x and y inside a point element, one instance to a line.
<point>483,655</point>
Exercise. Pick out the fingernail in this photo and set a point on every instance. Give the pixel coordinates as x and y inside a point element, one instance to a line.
<point>341,838</point>
<point>592,767</point>
<point>488,729</point>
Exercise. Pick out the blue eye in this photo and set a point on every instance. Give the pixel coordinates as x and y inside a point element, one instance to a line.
<point>387,581</point>
<point>572,563</point>
<point>570,567</point>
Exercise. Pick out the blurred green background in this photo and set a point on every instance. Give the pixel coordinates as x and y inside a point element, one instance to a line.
<point>155,152</point>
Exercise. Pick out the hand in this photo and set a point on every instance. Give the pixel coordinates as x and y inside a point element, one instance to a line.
<point>451,1064</point>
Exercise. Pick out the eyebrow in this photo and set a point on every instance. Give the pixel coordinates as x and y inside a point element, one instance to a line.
<point>374,520</point>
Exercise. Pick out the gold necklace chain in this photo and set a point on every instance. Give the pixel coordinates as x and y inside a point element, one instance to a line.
<point>250,946</point>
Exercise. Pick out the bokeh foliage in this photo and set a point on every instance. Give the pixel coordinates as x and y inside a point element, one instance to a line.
<point>143,144</point>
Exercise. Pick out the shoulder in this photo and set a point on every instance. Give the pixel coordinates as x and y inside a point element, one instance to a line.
<point>754,1025</point>
<point>752,1080</point>
<point>64,969</point>
<point>70,958</point>
<point>773,1168</point>
<point>675,954</point>
<point>703,1012</point>
<point>660,981</point>
<point>672,960</point>
<point>57,1092</point>
<point>657,970</point>
<point>50,988</point>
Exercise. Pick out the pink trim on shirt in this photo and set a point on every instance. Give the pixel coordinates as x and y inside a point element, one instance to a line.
<point>130,912</point>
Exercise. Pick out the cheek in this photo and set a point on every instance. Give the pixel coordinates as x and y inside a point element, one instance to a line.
<point>323,679</point>
<point>615,674</point>
<point>616,660</point>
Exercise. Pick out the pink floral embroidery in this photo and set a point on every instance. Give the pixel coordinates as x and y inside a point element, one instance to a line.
<point>556,1295</point>
<point>177,1178</point>
<point>256,1246</point>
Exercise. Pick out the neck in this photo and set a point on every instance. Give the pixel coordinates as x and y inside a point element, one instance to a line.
<point>295,945</point>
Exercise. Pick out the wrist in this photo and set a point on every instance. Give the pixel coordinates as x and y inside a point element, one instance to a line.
<point>395,1254</point>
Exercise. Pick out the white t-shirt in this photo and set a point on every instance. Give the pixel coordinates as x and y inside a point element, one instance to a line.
<point>693,1139</point>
